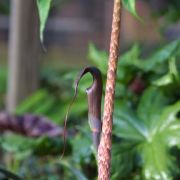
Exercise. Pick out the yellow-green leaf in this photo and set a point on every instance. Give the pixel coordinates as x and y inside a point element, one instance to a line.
<point>43,9</point>
<point>130,5</point>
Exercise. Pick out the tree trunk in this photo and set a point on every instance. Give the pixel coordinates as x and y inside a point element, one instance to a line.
<point>104,151</point>
<point>23,51</point>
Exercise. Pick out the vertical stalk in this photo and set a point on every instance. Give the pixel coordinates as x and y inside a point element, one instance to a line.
<point>104,150</point>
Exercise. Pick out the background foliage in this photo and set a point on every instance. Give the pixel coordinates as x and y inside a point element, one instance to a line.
<point>146,120</point>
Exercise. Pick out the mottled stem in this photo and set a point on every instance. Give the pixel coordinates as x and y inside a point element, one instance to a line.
<point>104,151</point>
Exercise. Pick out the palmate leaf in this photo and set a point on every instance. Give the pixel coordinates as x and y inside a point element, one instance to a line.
<point>156,160</point>
<point>169,125</point>
<point>155,156</point>
<point>154,128</point>
<point>43,9</point>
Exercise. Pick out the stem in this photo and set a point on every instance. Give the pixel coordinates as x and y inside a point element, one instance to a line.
<point>94,94</point>
<point>104,151</point>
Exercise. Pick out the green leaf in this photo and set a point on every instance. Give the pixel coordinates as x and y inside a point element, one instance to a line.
<point>31,102</point>
<point>173,70</point>
<point>171,78</point>
<point>153,129</point>
<point>156,160</point>
<point>162,56</point>
<point>163,81</point>
<point>77,174</point>
<point>49,146</point>
<point>127,125</point>
<point>129,63</point>
<point>22,146</point>
<point>123,158</point>
<point>81,144</point>
<point>45,106</point>
<point>3,79</point>
<point>18,145</point>
<point>169,117</point>
<point>130,5</point>
<point>158,163</point>
<point>43,9</point>
<point>98,58</point>
<point>131,57</point>
<point>150,106</point>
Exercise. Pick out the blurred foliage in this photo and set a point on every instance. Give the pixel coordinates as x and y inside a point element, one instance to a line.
<point>146,138</point>
<point>146,120</point>
<point>44,8</point>
<point>4,7</point>
<point>22,147</point>
<point>148,70</point>
<point>167,9</point>
<point>3,75</point>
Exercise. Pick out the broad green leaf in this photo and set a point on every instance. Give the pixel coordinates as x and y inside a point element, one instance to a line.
<point>154,128</point>
<point>158,163</point>
<point>43,9</point>
<point>173,70</point>
<point>172,135</point>
<point>130,5</point>
<point>162,56</point>
<point>156,160</point>
<point>163,81</point>
<point>127,125</point>
<point>169,115</point>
